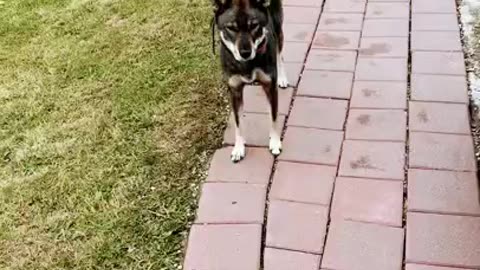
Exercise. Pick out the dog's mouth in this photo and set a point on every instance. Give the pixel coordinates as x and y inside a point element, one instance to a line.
<point>262,46</point>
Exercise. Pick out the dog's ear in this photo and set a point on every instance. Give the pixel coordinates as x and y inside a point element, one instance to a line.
<point>221,4</point>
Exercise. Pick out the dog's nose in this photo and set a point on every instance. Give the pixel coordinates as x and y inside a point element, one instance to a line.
<point>245,54</point>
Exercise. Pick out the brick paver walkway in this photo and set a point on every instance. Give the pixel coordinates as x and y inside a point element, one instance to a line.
<point>378,169</point>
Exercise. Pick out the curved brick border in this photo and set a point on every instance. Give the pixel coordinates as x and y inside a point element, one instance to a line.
<point>361,150</point>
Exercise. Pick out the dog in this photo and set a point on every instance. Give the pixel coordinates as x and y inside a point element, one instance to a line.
<point>251,38</point>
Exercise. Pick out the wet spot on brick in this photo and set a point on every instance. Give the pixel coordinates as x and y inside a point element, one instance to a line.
<point>330,40</point>
<point>335,20</point>
<point>377,12</point>
<point>362,163</point>
<point>330,57</point>
<point>363,119</point>
<point>327,149</point>
<point>301,35</point>
<point>369,92</point>
<point>376,48</point>
<point>422,116</point>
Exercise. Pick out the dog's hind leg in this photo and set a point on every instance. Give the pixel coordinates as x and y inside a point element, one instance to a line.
<point>238,152</point>
<point>271,92</point>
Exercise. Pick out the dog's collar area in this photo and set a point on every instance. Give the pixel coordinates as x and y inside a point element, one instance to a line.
<point>262,47</point>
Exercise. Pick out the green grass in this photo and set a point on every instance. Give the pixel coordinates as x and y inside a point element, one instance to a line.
<point>109,112</point>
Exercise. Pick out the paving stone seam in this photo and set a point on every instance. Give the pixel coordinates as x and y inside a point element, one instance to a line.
<point>372,178</point>
<point>263,244</point>
<point>441,102</point>
<point>315,128</point>
<point>440,265</point>
<point>440,132</point>
<point>407,138</point>
<point>443,213</point>
<point>308,162</point>
<point>376,140</point>
<point>329,218</point>
<point>322,97</point>
<point>377,223</point>
<point>441,170</point>
<point>294,250</point>
<point>299,202</point>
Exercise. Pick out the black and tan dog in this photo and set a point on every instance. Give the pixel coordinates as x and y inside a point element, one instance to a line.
<point>252,39</point>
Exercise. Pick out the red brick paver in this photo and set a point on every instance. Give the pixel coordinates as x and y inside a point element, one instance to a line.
<point>377,169</point>
<point>345,6</point>
<point>337,40</point>
<point>379,95</point>
<point>434,22</point>
<point>303,183</point>
<point>439,88</point>
<point>368,200</point>
<point>451,63</point>
<point>307,15</point>
<point>341,22</point>
<point>387,10</point>
<point>231,203</point>
<point>310,145</point>
<point>381,125</point>
<point>256,127</point>
<point>256,169</point>
<point>438,117</point>
<point>443,192</point>
<point>385,28</point>
<point>219,247</point>
<point>317,83</point>
<point>384,47</point>
<point>443,240</point>
<point>436,41</point>
<point>331,60</point>
<point>434,6</point>
<point>360,246</point>
<point>441,152</point>
<point>382,160</point>
<point>318,113</point>
<point>278,259</point>
<point>381,69</point>
<point>288,223</point>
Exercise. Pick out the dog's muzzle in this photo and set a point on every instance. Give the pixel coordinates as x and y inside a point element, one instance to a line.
<point>244,55</point>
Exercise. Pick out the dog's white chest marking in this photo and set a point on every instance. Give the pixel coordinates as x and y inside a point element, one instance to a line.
<point>257,75</point>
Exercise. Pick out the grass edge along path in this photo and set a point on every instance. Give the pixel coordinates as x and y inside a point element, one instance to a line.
<point>109,112</point>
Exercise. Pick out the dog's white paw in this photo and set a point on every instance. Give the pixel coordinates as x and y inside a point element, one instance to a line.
<point>275,146</point>
<point>282,82</point>
<point>238,152</point>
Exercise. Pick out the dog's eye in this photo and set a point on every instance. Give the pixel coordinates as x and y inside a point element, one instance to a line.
<point>254,27</point>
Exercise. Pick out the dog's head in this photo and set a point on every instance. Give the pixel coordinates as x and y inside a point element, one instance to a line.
<point>242,25</point>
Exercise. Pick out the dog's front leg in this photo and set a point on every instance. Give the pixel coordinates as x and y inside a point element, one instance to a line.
<point>236,94</point>
<point>282,74</point>
<point>271,92</point>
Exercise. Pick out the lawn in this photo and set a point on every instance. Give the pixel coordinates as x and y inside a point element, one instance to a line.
<point>109,113</point>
